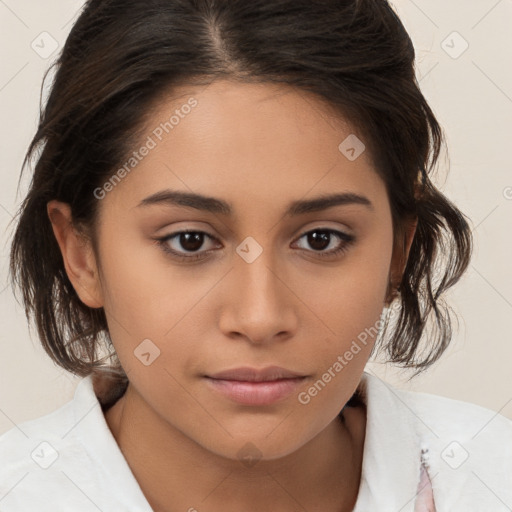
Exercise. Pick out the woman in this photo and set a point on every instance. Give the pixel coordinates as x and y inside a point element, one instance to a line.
<point>233,200</point>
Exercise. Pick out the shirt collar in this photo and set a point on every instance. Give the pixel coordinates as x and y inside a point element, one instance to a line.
<point>122,488</point>
<point>392,452</point>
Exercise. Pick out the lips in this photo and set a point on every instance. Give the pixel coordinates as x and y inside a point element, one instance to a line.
<point>255,387</point>
<point>247,374</point>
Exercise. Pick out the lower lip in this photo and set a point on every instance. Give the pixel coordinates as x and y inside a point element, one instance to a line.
<point>256,393</point>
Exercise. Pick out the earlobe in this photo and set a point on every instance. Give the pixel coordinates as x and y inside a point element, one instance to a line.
<point>399,259</point>
<point>409,237</point>
<point>77,254</point>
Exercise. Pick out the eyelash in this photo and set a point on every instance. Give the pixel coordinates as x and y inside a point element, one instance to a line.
<point>347,239</point>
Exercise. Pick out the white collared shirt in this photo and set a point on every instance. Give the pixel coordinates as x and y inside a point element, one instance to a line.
<point>69,460</point>
<point>465,449</point>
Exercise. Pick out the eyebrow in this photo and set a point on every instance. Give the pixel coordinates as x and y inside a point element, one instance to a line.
<point>215,205</point>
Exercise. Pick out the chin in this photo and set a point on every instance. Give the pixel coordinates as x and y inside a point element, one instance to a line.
<point>251,449</point>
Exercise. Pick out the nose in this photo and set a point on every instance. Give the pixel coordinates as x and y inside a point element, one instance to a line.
<point>259,304</point>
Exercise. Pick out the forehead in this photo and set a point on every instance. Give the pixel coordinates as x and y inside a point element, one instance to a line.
<point>246,142</point>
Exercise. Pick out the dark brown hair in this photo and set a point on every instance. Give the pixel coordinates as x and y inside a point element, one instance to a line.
<point>122,56</point>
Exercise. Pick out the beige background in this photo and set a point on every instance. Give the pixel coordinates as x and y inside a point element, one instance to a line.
<point>470,93</point>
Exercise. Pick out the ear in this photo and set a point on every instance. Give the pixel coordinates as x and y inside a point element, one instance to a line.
<point>400,257</point>
<point>77,254</point>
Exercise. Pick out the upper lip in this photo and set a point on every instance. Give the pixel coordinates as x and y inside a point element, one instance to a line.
<point>249,374</point>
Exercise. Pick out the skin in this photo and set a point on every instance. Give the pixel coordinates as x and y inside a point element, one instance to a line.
<point>258,147</point>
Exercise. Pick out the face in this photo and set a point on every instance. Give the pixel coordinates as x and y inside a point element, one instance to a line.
<point>266,276</point>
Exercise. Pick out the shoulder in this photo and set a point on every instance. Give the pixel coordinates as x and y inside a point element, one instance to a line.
<point>34,445</point>
<point>43,457</point>
<point>452,417</point>
<point>463,437</point>
<point>19,445</point>
<point>466,448</point>
<point>445,416</point>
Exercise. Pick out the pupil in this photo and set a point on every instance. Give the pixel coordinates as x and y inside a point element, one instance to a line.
<point>191,241</point>
<point>319,239</point>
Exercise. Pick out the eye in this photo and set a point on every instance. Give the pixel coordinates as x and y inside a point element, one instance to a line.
<point>321,238</point>
<point>189,241</point>
<point>185,245</point>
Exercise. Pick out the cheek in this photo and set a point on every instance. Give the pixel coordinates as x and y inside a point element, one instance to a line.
<point>345,312</point>
<point>143,291</point>
<point>340,355</point>
<point>157,308</point>
<point>350,297</point>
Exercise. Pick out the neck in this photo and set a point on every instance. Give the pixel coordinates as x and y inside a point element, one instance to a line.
<point>176,473</point>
